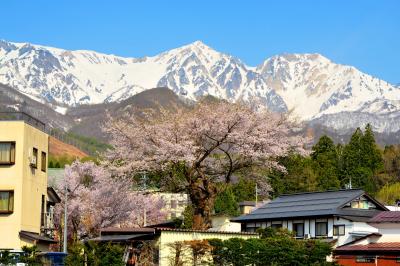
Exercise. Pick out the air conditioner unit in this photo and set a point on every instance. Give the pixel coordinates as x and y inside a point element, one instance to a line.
<point>307,236</point>
<point>32,161</point>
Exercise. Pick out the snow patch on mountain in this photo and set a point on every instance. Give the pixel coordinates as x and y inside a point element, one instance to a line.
<point>310,86</point>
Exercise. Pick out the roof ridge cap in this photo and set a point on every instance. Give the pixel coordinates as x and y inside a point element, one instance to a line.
<point>326,191</point>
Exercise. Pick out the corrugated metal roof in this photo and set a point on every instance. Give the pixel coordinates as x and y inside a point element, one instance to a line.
<point>386,217</point>
<point>310,204</point>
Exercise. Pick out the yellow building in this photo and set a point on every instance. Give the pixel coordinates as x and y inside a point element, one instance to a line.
<point>165,244</point>
<point>26,203</point>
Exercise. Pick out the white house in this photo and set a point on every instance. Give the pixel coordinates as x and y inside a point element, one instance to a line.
<point>379,248</point>
<point>338,216</point>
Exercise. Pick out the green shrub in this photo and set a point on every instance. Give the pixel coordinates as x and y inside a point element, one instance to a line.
<point>96,254</point>
<point>272,248</point>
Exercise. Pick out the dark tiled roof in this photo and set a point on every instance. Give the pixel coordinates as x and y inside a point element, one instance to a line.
<point>383,246</point>
<point>145,230</point>
<point>36,237</point>
<point>247,203</point>
<point>386,217</point>
<point>118,238</point>
<point>204,231</point>
<point>111,230</point>
<point>311,204</point>
<point>53,196</point>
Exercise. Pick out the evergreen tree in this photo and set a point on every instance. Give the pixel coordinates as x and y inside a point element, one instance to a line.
<point>244,190</point>
<point>226,203</point>
<point>372,156</point>
<point>300,176</point>
<point>362,160</point>
<point>324,150</point>
<point>352,157</point>
<point>325,160</point>
<point>352,152</point>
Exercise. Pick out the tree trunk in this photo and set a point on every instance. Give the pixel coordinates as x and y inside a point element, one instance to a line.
<point>202,194</point>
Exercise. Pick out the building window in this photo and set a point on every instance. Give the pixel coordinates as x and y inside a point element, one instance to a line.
<point>321,228</point>
<point>298,228</point>
<point>173,204</point>
<point>360,203</point>
<point>364,259</point>
<point>251,227</point>
<point>181,203</point>
<point>339,230</point>
<point>33,159</point>
<point>276,225</point>
<point>43,162</point>
<point>7,153</point>
<point>6,201</point>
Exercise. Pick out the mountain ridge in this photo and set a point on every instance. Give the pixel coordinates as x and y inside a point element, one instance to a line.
<point>310,86</point>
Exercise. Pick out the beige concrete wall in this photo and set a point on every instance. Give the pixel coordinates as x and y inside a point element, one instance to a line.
<point>28,184</point>
<point>167,238</point>
<point>11,179</point>
<point>223,223</point>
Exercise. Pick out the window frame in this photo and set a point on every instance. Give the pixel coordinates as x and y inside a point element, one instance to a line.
<point>276,225</point>
<point>174,204</point>
<point>293,227</point>
<point>12,155</point>
<point>326,226</point>
<point>365,259</point>
<point>337,226</point>
<point>250,227</point>
<point>10,204</point>
<point>43,166</point>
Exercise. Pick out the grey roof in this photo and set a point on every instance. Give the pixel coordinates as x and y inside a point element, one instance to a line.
<point>311,204</point>
<point>247,203</point>
<point>36,237</point>
<point>119,238</point>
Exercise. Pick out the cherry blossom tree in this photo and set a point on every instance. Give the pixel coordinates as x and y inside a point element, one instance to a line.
<point>96,200</point>
<point>208,144</point>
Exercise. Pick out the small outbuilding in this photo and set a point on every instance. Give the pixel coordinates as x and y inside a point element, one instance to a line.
<point>164,245</point>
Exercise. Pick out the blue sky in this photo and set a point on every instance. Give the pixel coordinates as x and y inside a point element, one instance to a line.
<point>363,33</point>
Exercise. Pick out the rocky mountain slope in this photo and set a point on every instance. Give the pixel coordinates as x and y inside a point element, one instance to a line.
<point>310,86</point>
<point>14,101</point>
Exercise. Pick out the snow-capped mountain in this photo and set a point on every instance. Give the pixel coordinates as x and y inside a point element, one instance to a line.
<point>308,85</point>
<point>311,85</point>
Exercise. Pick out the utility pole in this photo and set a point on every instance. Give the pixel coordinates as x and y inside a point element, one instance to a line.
<point>144,187</point>
<point>256,194</point>
<point>65,219</point>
